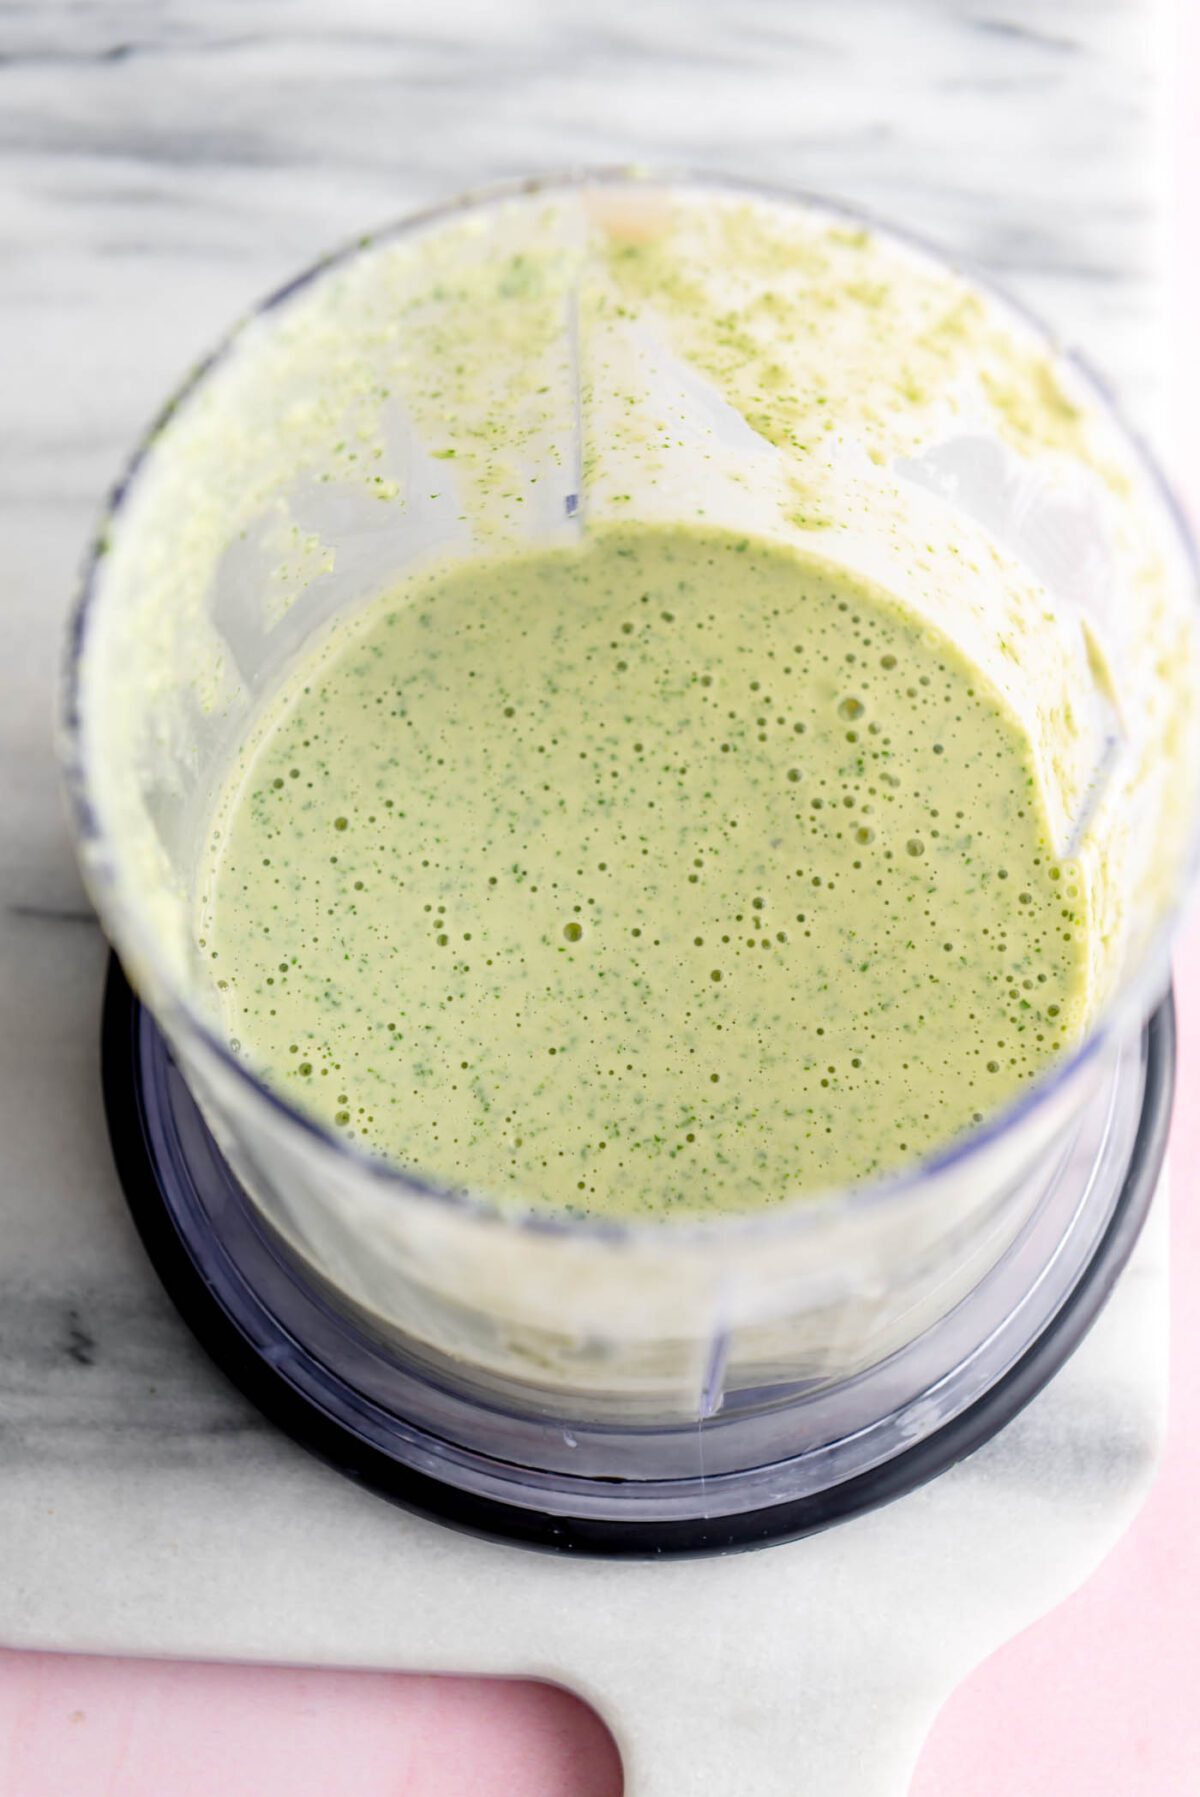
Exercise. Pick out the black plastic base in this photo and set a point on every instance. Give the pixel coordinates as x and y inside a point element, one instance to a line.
<point>130,1041</point>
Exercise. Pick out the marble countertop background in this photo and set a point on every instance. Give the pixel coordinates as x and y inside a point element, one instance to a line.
<point>161,166</point>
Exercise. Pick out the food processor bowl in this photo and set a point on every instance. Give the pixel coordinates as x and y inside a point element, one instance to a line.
<point>513,371</point>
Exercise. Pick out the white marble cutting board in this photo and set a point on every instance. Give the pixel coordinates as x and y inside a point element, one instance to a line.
<point>160,168</point>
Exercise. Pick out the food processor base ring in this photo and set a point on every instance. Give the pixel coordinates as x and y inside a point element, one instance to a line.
<point>219,1264</point>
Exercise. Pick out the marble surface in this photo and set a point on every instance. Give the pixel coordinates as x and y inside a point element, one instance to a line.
<point>163,166</point>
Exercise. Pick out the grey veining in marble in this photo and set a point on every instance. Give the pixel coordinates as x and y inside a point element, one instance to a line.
<point>161,167</point>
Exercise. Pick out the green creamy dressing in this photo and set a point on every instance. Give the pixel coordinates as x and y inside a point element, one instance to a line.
<point>668,872</point>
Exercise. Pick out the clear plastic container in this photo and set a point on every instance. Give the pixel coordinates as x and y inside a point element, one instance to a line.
<point>605,337</point>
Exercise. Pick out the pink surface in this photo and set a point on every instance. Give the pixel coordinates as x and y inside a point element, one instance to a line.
<point>73,1727</point>
<point>1099,1698</point>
